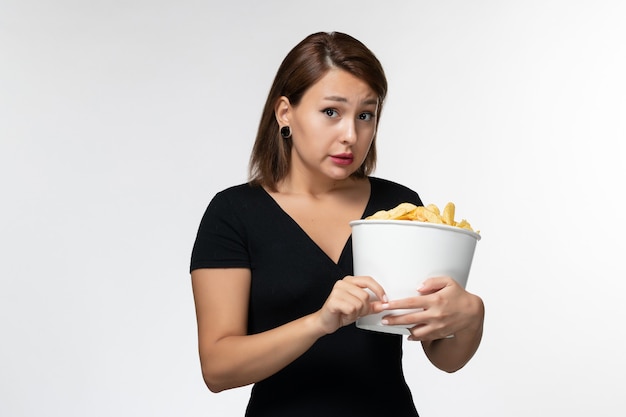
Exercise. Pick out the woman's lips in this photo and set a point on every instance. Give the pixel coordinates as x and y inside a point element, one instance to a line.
<point>342,158</point>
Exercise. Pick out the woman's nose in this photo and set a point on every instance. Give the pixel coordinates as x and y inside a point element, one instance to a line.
<point>349,132</point>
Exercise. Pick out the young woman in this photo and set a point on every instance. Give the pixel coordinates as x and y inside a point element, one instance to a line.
<point>271,267</point>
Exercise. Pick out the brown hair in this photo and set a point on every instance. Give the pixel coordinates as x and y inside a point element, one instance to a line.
<point>303,66</point>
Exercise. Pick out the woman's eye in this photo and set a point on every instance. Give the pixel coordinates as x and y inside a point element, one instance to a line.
<point>366,116</point>
<point>330,112</point>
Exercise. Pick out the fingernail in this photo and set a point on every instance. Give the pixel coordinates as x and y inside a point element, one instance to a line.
<point>385,298</point>
<point>384,322</point>
<point>410,338</point>
<point>385,306</point>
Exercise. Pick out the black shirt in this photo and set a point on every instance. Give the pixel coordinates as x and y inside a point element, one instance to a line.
<point>349,372</point>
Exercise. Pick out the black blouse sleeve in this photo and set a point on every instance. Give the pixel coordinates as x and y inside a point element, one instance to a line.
<point>220,241</point>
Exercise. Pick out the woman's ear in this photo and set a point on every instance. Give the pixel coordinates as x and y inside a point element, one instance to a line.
<point>282,111</point>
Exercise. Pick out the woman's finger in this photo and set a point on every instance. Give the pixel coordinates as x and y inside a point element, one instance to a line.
<point>371,284</point>
<point>435,284</point>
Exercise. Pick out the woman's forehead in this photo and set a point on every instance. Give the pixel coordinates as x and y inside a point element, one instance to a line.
<point>341,86</point>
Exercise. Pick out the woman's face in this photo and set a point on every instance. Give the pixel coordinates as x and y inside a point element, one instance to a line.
<point>333,126</point>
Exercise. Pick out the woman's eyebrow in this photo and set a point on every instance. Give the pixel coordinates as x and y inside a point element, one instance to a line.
<point>340,99</point>
<point>336,98</point>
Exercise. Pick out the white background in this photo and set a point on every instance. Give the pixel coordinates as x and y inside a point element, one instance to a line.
<point>119,120</point>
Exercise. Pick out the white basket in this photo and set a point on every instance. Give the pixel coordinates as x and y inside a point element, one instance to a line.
<point>401,254</point>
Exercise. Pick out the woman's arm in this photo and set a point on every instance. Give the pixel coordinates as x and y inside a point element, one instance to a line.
<point>452,352</point>
<point>449,323</point>
<point>230,358</point>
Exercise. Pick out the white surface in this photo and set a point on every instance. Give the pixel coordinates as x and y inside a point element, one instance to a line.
<point>120,119</point>
<point>401,254</point>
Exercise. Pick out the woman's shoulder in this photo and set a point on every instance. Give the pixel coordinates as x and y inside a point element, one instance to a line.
<point>237,197</point>
<point>389,192</point>
<point>239,191</point>
<point>385,185</point>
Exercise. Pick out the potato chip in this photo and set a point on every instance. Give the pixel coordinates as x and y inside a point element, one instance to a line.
<point>379,215</point>
<point>448,214</point>
<point>418,214</point>
<point>429,214</point>
<point>401,211</point>
<point>463,224</point>
<point>434,209</point>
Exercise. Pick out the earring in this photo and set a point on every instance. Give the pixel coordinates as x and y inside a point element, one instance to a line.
<point>285,132</point>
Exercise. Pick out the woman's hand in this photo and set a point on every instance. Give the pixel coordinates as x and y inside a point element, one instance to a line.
<point>231,357</point>
<point>445,309</point>
<point>349,300</point>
